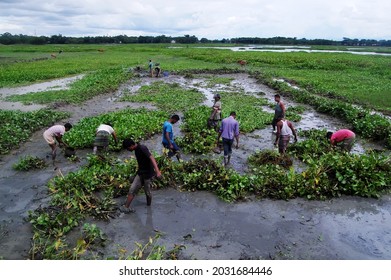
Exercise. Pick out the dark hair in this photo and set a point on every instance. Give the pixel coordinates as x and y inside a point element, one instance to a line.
<point>328,134</point>
<point>233,113</point>
<point>175,117</point>
<point>127,143</point>
<point>277,95</point>
<point>68,126</point>
<point>109,124</point>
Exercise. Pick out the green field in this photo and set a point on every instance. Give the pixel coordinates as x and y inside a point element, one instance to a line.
<point>360,79</point>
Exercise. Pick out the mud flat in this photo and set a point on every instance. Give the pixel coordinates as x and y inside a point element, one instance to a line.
<point>340,228</point>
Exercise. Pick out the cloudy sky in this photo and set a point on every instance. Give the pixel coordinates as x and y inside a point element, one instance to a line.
<point>211,19</point>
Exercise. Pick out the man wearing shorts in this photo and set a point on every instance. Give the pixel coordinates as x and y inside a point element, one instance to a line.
<point>147,169</point>
<point>343,138</point>
<point>55,133</point>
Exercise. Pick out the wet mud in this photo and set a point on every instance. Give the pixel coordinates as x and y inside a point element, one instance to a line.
<point>340,228</point>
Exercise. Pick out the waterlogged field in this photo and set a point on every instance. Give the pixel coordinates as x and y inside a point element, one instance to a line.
<point>331,83</point>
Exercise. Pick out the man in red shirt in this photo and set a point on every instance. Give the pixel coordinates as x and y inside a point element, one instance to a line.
<point>343,138</point>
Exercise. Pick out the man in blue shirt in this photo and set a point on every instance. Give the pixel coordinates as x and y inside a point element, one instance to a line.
<point>168,137</point>
<point>229,130</point>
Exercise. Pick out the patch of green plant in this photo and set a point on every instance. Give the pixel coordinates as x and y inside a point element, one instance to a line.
<point>92,84</point>
<point>269,157</point>
<point>213,81</point>
<point>167,97</point>
<point>16,126</point>
<point>136,124</point>
<point>29,162</point>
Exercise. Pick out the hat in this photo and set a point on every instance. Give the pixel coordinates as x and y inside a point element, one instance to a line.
<point>217,95</point>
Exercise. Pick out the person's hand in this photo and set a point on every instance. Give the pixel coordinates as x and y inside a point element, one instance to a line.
<point>158,174</point>
<point>237,146</point>
<point>295,140</point>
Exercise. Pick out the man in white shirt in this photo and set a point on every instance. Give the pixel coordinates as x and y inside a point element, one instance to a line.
<point>102,137</point>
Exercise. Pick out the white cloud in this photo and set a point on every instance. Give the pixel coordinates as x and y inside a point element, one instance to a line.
<point>211,19</point>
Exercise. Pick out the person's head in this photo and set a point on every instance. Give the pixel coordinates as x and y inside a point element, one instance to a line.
<point>129,144</point>
<point>277,97</point>
<point>174,119</point>
<point>67,126</point>
<point>109,124</point>
<point>217,96</point>
<point>233,114</point>
<point>329,134</point>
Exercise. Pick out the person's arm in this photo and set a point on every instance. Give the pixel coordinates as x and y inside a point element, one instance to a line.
<point>278,133</point>
<point>282,108</point>
<point>154,164</point>
<point>59,140</point>
<point>293,130</point>
<point>237,134</point>
<point>167,136</point>
<point>115,137</point>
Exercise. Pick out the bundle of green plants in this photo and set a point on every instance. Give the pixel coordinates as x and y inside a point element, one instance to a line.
<point>269,157</point>
<point>16,126</point>
<point>137,124</point>
<point>29,162</point>
<point>167,97</point>
<point>314,144</point>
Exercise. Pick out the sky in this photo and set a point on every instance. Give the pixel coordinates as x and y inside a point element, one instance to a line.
<point>211,19</point>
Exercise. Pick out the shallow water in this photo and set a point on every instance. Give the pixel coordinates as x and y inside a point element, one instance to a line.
<point>340,228</point>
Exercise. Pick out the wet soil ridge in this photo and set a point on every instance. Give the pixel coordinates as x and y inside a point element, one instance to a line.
<point>75,213</point>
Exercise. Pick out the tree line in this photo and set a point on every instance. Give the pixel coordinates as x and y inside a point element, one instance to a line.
<point>11,39</point>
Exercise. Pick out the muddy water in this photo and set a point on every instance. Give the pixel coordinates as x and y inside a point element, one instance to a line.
<point>343,228</point>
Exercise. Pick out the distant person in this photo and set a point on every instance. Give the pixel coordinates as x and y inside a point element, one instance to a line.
<point>279,111</point>
<point>147,169</point>
<point>168,137</point>
<point>229,130</point>
<point>102,137</point>
<point>284,130</point>
<point>343,138</point>
<point>55,133</point>
<point>215,115</point>
<point>150,67</point>
<point>157,70</point>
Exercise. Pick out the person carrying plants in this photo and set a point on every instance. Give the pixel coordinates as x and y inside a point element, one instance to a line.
<point>168,137</point>
<point>215,115</point>
<point>284,130</point>
<point>55,133</point>
<point>343,138</point>
<point>229,130</point>
<point>279,111</point>
<point>102,137</point>
<point>146,171</point>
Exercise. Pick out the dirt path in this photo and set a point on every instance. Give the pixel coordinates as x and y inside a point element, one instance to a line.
<point>343,228</point>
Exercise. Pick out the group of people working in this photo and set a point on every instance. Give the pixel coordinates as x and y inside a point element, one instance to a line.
<point>228,130</point>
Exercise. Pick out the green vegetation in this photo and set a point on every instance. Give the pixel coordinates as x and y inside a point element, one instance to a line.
<point>167,97</point>
<point>137,124</point>
<point>29,162</point>
<point>16,126</point>
<point>331,83</point>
